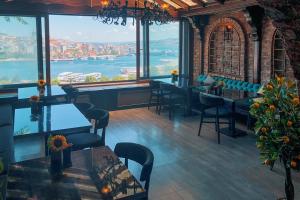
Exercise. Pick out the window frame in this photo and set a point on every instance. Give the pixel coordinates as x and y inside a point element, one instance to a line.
<point>39,42</point>
<point>277,36</point>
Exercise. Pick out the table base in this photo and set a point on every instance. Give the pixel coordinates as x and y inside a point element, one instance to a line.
<point>230,133</point>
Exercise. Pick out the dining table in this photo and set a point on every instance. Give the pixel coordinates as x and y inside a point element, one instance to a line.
<point>231,97</point>
<point>95,173</point>
<point>51,119</point>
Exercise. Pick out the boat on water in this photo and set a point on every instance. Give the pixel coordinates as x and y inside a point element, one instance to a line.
<point>128,70</point>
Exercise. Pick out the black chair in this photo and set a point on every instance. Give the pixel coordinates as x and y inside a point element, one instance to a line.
<point>172,97</point>
<point>99,118</point>
<point>71,93</point>
<point>154,94</point>
<point>212,107</point>
<point>139,154</point>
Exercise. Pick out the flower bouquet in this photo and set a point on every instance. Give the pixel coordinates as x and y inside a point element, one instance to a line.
<point>174,75</point>
<point>57,144</point>
<point>41,87</point>
<point>277,127</point>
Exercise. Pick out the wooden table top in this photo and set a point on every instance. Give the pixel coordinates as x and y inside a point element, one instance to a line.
<point>91,170</point>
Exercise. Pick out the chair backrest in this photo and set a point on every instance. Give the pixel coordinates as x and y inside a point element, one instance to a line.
<point>6,116</point>
<point>210,101</point>
<point>100,117</point>
<point>139,154</point>
<point>154,85</point>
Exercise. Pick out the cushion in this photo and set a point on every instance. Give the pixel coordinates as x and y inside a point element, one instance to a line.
<point>209,80</point>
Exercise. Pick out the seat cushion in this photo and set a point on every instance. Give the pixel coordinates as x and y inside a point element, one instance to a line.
<point>223,112</point>
<point>84,140</point>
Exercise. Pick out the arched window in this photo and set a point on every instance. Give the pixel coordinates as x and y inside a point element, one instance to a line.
<point>279,58</point>
<point>225,51</point>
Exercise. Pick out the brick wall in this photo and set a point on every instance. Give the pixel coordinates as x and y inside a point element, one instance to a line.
<point>244,29</point>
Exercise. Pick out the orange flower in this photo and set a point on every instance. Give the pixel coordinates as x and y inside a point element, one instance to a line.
<point>289,123</point>
<point>105,189</point>
<point>267,162</point>
<point>269,86</point>
<point>41,83</point>
<point>296,101</point>
<point>272,107</point>
<point>256,105</point>
<point>174,72</point>
<point>264,129</point>
<point>293,164</point>
<point>280,79</point>
<point>290,84</point>
<point>34,98</point>
<point>286,139</point>
<point>58,143</point>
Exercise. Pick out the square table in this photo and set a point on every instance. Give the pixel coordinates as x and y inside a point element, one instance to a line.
<point>56,119</point>
<point>53,119</point>
<point>50,91</point>
<point>91,170</point>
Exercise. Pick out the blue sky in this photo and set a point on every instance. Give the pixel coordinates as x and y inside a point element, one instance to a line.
<point>87,29</point>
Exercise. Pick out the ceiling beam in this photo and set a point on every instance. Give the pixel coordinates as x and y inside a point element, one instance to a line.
<point>183,5</point>
<point>221,1</point>
<point>215,8</point>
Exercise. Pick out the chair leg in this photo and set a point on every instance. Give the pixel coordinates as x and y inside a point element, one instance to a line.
<point>150,100</point>
<point>200,125</point>
<point>218,128</point>
<point>170,110</point>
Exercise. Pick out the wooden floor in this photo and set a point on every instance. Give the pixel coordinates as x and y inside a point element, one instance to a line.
<point>187,166</point>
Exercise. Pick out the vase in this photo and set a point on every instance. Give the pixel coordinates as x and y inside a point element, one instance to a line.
<point>56,164</point>
<point>67,162</point>
<point>36,108</point>
<point>3,185</point>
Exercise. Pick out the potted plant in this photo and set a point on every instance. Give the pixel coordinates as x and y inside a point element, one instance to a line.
<point>277,127</point>
<point>3,180</point>
<point>174,76</point>
<point>57,144</point>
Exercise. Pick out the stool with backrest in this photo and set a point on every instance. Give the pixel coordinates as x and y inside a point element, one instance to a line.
<point>212,107</point>
<point>139,154</point>
<point>172,97</point>
<point>99,119</point>
<point>154,94</point>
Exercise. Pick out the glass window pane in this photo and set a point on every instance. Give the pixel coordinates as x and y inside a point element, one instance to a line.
<point>18,50</point>
<point>164,48</point>
<point>84,50</point>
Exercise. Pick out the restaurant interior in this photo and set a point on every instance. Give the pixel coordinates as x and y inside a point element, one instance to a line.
<point>153,99</point>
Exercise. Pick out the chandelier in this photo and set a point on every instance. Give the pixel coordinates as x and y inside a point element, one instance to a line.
<point>113,12</point>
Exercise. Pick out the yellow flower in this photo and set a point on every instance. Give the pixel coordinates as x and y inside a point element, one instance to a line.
<point>41,83</point>
<point>286,139</point>
<point>174,72</point>
<point>289,123</point>
<point>58,143</point>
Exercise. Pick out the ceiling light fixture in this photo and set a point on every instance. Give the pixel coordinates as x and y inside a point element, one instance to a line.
<point>114,12</point>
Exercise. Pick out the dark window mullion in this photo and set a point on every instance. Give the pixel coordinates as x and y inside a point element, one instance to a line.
<point>39,41</point>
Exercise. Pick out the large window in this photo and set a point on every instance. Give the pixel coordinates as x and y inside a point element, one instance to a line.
<point>18,50</point>
<point>85,50</point>
<point>279,60</point>
<point>164,48</point>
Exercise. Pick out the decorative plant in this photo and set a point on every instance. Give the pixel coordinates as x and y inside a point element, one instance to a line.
<point>41,83</point>
<point>277,126</point>
<point>174,75</point>
<point>57,143</point>
<point>34,99</point>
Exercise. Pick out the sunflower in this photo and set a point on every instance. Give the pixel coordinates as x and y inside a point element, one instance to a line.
<point>174,72</point>
<point>58,143</point>
<point>41,83</point>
